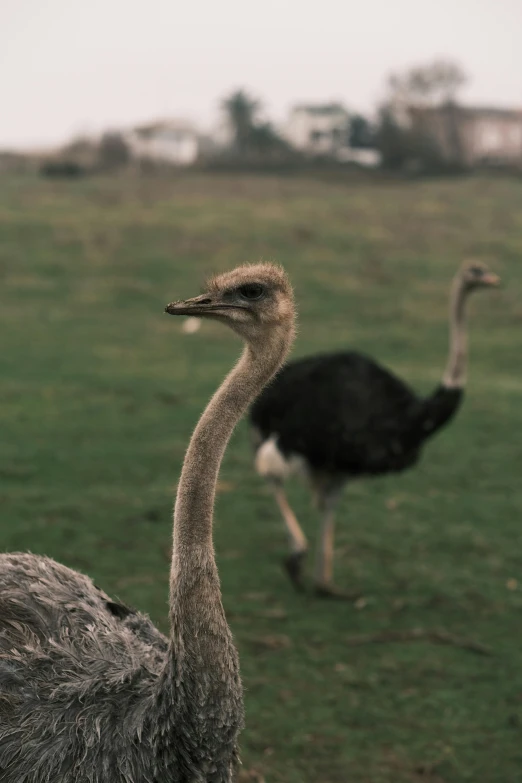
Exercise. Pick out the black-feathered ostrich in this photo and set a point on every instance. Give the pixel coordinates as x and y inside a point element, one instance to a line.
<point>92,692</point>
<point>342,415</point>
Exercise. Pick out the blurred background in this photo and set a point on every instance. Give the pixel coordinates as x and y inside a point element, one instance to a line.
<point>370,149</point>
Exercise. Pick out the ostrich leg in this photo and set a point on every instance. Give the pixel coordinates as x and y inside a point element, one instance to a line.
<point>298,543</point>
<point>327,498</point>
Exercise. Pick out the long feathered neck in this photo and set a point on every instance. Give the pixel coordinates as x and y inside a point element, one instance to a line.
<point>199,708</point>
<point>193,513</point>
<point>455,373</point>
<point>439,408</point>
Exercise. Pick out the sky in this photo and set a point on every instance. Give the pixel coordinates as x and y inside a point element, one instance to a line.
<point>69,67</point>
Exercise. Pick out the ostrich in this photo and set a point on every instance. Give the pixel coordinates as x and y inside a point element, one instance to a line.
<point>342,415</point>
<point>91,691</point>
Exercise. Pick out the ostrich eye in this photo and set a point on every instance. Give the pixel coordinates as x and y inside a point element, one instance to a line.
<point>477,271</point>
<point>251,291</point>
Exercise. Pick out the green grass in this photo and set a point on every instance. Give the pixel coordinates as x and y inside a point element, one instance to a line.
<point>99,392</point>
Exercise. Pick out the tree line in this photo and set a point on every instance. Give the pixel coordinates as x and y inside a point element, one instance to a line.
<point>254,139</point>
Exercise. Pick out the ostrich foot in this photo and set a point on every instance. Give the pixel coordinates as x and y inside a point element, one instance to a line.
<point>293,565</point>
<point>323,590</point>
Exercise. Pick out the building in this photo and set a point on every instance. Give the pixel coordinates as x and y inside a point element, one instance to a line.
<point>321,129</point>
<point>168,141</point>
<point>472,136</point>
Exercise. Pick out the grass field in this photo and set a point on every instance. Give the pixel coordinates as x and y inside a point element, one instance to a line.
<point>99,392</point>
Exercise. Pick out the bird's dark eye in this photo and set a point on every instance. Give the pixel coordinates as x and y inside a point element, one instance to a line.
<point>251,291</point>
<point>476,270</point>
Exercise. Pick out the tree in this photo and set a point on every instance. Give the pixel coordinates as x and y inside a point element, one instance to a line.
<point>405,135</point>
<point>254,140</point>
<point>392,141</point>
<point>265,140</point>
<point>83,151</point>
<point>242,111</point>
<point>405,148</point>
<point>113,152</point>
<point>361,134</point>
<point>436,82</point>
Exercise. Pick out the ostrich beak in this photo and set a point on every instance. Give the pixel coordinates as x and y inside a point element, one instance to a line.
<point>198,306</point>
<point>491,279</point>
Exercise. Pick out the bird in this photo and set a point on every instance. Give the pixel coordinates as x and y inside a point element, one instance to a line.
<point>90,690</point>
<point>334,417</point>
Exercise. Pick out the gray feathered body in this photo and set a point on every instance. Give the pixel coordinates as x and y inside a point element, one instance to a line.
<point>92,692</point>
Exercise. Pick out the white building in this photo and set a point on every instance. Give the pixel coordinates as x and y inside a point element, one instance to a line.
<point>171,141</point>
<point>324,129</point>
<point>320,129</point>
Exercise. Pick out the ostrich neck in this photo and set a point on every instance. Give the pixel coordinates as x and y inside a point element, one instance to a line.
<point>199,698</point>
<point>455,373</point>
<point>200,688</point>
<point>194,583</point>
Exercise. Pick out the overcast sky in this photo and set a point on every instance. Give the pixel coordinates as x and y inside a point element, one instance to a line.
<point>70,66</point>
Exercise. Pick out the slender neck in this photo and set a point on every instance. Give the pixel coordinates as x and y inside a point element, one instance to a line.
<point>455,373</point>
<point>193,570</point>
<point>199,694</point>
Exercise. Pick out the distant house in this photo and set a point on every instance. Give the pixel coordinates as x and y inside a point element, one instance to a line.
<point>170,141</point>
<point>472,136</point>
<point>320,129</point>
<point>324,130</point>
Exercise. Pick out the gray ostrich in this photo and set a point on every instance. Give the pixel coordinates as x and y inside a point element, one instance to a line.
<point>91,691</point>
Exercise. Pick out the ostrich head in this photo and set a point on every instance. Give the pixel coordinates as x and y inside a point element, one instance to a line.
<point>255,300</point>
<point>474,276</point>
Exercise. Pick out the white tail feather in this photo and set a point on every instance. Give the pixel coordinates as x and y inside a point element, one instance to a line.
<point>271,463</point>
